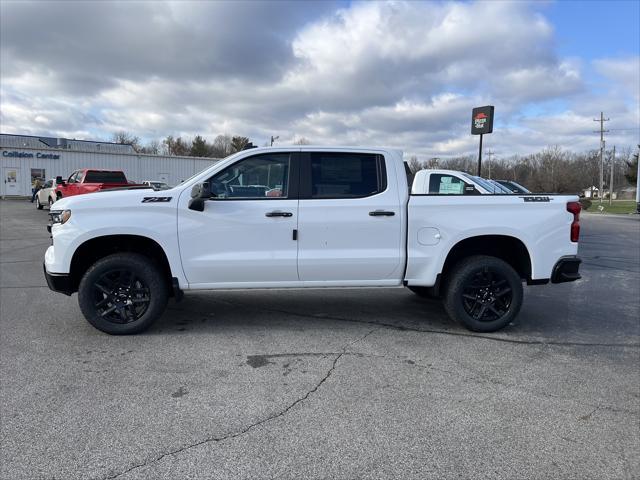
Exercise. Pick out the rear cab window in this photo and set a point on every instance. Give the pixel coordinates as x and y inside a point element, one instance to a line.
<point>96,176</point>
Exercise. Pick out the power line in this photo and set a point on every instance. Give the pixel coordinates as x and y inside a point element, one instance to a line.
<point>602,132</point>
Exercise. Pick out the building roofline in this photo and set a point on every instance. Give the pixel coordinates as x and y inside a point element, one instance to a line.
<point>136,154</point>
<point>63,138</point>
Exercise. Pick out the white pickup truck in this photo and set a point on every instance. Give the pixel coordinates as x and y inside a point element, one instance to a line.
<point>309,217</point>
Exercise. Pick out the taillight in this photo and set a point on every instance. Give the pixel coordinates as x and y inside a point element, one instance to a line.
<point>575,207</point>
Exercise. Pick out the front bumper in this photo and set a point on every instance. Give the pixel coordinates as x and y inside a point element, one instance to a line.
<point>58,282</point>
<point>566,270</point>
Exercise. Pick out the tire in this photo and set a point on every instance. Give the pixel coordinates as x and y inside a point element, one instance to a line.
<point>38,204</point>
<point>50,202</point>
<point>122,294</point>
<point>483,293</point>
<point>424,292</point>
<point>58,196</point>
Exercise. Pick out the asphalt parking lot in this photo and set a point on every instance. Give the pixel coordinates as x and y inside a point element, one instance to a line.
<point>323,384</point>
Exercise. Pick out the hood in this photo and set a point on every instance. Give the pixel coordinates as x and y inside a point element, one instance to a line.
<point>115,198</point>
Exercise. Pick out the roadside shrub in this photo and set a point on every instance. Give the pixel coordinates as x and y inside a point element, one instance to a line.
<point>586,203</point>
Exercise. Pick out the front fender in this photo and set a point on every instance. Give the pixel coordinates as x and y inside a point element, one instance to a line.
<point>157,224</point>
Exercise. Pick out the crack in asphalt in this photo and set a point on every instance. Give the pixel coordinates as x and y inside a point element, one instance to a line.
<point>439,332</point>
<point>251,426</point>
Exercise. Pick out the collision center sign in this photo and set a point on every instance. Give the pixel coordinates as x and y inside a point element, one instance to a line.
<point>16,154</point>
<point>482,120</point>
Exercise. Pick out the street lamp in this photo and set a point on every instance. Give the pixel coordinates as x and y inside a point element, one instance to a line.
<point>273,139</point>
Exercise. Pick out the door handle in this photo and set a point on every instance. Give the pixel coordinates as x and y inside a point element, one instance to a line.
<point>381,213</point>
<point>278,214</point>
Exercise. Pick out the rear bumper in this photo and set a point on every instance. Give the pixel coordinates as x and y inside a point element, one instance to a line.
<point>58,282</point>
<point>566,270</point>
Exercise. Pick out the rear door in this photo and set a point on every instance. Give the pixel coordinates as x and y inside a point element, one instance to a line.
<point>349,219</point>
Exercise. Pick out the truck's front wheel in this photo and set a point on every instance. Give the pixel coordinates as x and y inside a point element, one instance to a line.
<point>123,293</point>
<point>483,293</point>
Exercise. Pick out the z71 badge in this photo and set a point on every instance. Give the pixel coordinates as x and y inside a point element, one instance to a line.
<point>536,199</point>
<point>156,199</point>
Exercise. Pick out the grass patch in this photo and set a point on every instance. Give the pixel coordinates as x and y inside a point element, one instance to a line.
<point>618,206</point>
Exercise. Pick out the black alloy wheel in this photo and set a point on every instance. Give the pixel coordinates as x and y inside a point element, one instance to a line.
<point>483,293</point>
<point>120,296</point>
<point>487,296</point>
<point>123,293</point>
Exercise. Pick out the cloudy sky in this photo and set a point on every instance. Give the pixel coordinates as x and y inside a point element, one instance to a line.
<point>401,74</point>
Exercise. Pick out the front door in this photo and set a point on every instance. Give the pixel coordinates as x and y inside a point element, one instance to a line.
<point>350,226</point>
<point>245,235</point>
<point>12,181</point>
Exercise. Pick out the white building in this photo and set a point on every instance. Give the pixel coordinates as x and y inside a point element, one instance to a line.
<point>24,158</point>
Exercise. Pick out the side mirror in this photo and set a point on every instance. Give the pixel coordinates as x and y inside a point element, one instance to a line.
<point>59,180</point>
<point>199,194</point>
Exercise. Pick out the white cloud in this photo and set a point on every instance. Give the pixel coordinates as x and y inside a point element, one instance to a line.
<point>403,74</point>
<point>623,71</point>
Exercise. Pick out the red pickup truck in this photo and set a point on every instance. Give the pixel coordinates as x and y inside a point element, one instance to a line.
<point>89,180</point>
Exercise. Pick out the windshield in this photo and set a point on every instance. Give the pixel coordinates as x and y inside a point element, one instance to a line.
<point>514,186</point>
<point>213,162</point>
<point>482,182</point>
<point>501,188</point>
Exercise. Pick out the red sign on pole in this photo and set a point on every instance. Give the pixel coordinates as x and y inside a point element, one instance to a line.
<point>482,120</point>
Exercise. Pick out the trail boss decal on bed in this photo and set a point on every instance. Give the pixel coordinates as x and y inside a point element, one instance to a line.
<point>156,199</point>
<point>536,199</point>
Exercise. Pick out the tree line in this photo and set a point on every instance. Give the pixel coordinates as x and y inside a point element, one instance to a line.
<point>222,146</point>
<point>198,146</point>
<point>550,170</point>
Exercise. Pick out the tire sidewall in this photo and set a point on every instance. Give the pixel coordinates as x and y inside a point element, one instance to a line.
<point>38,204</point>
<point>146,269</point>
<point>461,274</point>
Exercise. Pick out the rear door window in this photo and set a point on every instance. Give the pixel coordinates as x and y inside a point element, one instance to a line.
<point>346,175</point>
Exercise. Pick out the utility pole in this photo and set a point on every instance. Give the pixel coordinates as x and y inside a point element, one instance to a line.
<point>613,160</point>
<point>602,132</point>
<point>273,139</point>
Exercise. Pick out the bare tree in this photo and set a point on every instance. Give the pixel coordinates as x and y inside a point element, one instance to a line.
<point>415,164</point>
<point>221,146</point>
<point>631,173</point>
<point>126,138</point>
<point>301,141</point>
<point>152,148</point>
<point>176,146</point>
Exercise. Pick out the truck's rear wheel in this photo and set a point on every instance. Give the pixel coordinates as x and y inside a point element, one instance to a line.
<point>123,293</point>
<point>38,204</point>
<point>483,293</point>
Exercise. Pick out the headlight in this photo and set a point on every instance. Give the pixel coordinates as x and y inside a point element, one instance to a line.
<point>59,216</point>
